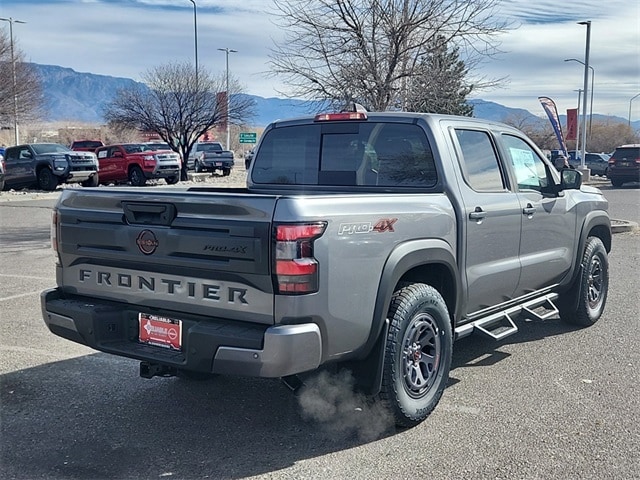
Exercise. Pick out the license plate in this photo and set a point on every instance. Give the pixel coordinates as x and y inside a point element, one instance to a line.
<point>218,164</point>
<point>160,331</point>
<point>625,164</point>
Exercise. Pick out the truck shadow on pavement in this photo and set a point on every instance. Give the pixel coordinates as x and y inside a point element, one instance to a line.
<point>93,417</point>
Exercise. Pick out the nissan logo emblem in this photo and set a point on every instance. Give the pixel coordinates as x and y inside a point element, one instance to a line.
<point>147,242</point>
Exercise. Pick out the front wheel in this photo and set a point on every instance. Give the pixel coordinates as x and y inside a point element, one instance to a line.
<point>418,353</point>
<point>47,180</point>
<point>136,176</point>
<point>172,180</point>
<point>584,303</point>
<point>93,181</point>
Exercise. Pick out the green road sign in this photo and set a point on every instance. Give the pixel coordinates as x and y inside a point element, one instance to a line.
<point>248,137</point>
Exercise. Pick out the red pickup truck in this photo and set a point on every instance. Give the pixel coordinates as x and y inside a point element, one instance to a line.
<point>136,163</point>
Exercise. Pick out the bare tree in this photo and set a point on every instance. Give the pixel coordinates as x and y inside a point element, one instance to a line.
<point>28,89</point>
<point>366,50</point>
<point>179,105</point>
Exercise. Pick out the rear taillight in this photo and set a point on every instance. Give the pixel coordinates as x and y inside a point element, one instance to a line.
<point>295,267</point>
<point>55,228</point>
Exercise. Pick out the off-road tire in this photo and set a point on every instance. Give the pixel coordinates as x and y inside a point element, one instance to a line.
<point>136,176</point>
<point>47,180</point>
<point>417,354</point>
<point>584,303</point>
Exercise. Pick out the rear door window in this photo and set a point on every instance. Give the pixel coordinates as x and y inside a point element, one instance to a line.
<point>480,164</point>
<point>359,154</point>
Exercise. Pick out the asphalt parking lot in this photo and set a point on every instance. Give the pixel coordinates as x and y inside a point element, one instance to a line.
<point>551,402</point>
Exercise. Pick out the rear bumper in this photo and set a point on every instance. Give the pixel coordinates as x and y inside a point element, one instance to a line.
<point>209,345</point>
<point>217,164</point>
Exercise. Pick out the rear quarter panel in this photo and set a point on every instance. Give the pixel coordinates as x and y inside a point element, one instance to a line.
<point>352,255</point>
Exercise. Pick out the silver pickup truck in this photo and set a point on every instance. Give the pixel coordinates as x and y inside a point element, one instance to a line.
<point>209,157</point>
<point>367,241</point>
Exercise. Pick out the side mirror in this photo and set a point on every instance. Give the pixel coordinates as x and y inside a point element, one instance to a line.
<point>570,179</point>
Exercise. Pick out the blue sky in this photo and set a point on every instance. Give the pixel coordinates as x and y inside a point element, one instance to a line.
<point>124,38</point>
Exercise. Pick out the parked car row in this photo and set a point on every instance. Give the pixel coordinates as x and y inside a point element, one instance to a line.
<point>46,165</point>
<point>622,166</point>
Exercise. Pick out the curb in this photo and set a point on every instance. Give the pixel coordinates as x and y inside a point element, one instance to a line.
<point>621,226</point>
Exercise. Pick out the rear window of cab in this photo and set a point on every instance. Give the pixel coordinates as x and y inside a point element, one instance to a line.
<point>358,154</point>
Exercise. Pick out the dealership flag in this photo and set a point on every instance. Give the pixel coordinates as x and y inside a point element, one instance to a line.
<point>572,123</point>
<point>552,112</point>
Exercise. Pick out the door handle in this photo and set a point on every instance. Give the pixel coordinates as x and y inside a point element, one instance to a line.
<point>529,210</point>
<point>477,214</point>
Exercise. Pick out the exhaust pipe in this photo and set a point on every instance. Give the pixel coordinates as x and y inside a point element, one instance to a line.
<point>293,383</point>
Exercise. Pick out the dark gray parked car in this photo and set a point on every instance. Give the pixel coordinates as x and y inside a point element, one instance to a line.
<point>598,163</point>
<point>46,165</point>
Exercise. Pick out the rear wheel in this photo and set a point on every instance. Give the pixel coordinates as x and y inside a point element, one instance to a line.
<point>616,183</point>
<point>226,172</point>
<point>584,303</point>
<point>47,180</point>
<point>197,167</point>
<point>172,180</point>
<point>418,353</point>
<point>136,176</point>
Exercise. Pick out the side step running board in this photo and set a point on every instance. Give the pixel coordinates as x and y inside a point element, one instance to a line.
<point>500,324</point>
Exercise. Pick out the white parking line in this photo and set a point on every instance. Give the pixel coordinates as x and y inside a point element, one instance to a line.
<point>4,275</point>
<point>13,297</point>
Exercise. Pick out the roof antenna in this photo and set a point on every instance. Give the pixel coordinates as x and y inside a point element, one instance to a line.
<point>354,107</point>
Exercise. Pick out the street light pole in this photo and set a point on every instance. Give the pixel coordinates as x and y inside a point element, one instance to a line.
<point>15,83</point>
<point>632,98</point>
<point>578,126</point>
<point>584,99</point>
<point>592,88</point>
<point>227,50</point>
<point>195,34</point>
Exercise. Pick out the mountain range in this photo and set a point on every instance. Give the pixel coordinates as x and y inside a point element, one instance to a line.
<point>81,97</point>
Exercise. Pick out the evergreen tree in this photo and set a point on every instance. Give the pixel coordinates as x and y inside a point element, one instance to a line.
<point>439,86</point>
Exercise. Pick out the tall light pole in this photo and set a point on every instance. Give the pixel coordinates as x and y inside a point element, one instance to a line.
<point>195,33</point>
<point>15,83</point>
<point>632,98</point>
<point>592,88</point>
<point>578,126</point>
<point>584,99</point>
<point>227,51</point>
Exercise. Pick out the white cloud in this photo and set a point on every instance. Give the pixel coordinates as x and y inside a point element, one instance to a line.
<point>124,39</point>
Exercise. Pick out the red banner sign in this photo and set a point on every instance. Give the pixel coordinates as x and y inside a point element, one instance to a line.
<point>572,123</point>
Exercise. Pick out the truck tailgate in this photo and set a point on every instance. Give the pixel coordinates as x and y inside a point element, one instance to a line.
<point>204,253</point>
